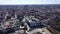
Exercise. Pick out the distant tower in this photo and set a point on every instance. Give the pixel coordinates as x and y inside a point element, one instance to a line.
<point>25,7</point>
<point>15,15</point>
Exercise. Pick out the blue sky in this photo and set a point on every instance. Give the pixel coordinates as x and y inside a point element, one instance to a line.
<point>20,2</point>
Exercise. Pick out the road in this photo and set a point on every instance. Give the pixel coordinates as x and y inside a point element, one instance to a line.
<point>41,30</point>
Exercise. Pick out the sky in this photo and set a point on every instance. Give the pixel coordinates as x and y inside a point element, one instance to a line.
<point>22,2</point>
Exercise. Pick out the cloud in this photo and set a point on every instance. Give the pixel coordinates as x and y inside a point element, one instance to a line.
<point>9,2</point>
